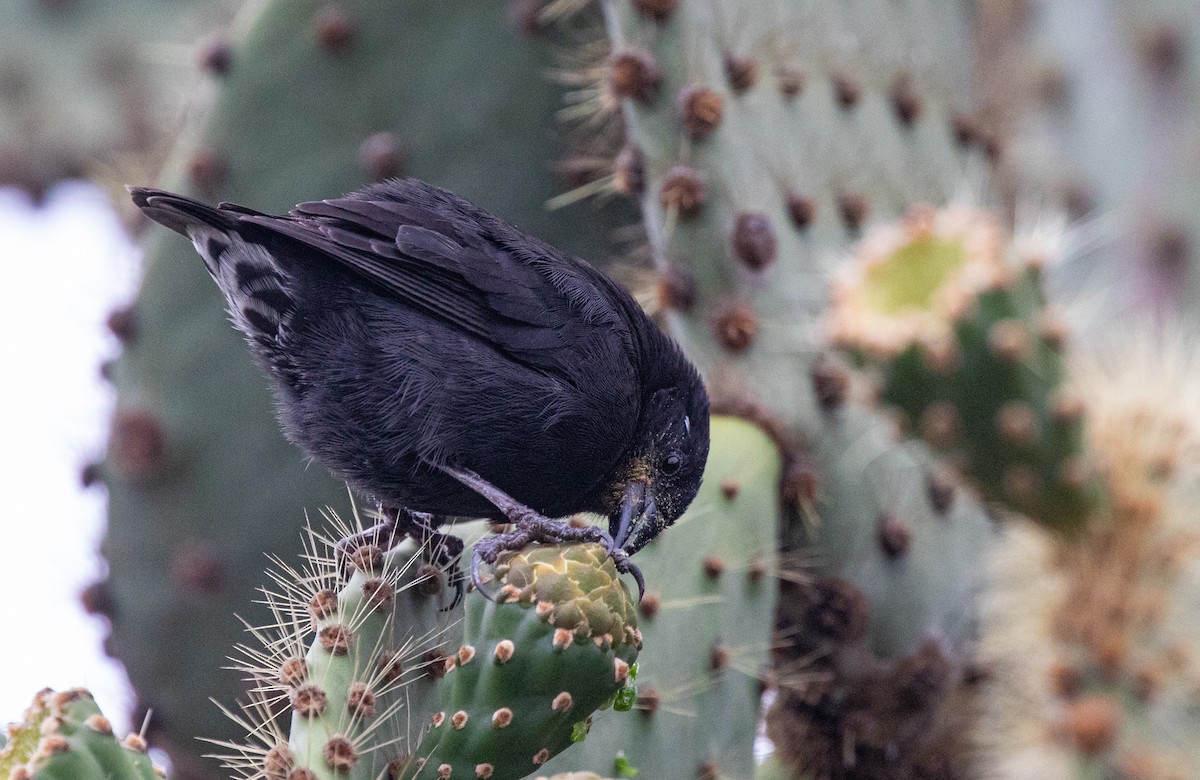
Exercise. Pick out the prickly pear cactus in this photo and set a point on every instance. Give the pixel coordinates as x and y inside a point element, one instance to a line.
<point>1090,639</point>
<point>313,99</point>
<point>760,141</point>
<point>351,662</point>
<point>508,691</point>
<point>66,737</point>
<point>559,641</point>
<point>1101,101</point>
<point>92,89</point>
<point>711,585</point>
<point>950,312</point>
<point>378,676</point>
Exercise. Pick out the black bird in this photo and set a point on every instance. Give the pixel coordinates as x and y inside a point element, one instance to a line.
<point>446,364</point>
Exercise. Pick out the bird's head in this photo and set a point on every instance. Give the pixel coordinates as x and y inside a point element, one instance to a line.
<point>662,474</point>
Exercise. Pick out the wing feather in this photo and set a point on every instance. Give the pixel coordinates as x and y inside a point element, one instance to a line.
<point>433,251</point>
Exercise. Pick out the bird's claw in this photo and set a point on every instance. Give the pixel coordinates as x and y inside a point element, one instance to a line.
<point>639,579</point>
<point>476,580</point>
<point>445,552</point>
<point>610,544</point>
<point>532,526</point>
<point>456,582</point>
<point>595,535</point>
<point>626,566</point>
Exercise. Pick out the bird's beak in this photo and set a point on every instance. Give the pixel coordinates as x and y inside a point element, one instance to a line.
<point>634,524</point>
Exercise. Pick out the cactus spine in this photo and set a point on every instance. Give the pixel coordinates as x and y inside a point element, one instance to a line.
<point>352,662</point>
<point>65,737</point>
<point>1091,638</point>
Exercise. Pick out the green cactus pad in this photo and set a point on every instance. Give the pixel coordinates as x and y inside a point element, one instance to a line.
<point>952,317</point>
<point>1102,103</point>
<point>369,667</point>
<point>65,737</point>
<point>93,89</point>
<point>558,642</point>
<point>776,134</point>
<point>351,662</point>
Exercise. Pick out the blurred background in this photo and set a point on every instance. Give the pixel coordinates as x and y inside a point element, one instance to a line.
<point>71,242</point>
<point>140,456</point>
<point>90,94</point>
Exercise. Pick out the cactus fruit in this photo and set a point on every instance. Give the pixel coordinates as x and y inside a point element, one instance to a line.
<point>1090,640</point>
<point>66,737</point>
<point>354,662</point>
<point>559,641</point>
<point>314,99</point>
<point>951,315</point>
<point>706,618</point>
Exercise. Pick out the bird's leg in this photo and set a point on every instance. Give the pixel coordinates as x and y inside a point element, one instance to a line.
<point>525,518</point>
<point>440,549</point>
<point>531,526</point>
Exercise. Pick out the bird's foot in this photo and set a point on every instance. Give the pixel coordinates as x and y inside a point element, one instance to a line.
<point>440,549</point>
<point>626,566</point>
<point>532,526</point>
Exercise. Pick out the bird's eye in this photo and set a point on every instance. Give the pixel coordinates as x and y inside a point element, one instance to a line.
<point>672,463</point>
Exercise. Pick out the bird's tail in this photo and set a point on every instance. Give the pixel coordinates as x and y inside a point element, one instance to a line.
<point>255,287</point>
<point>180,213</point>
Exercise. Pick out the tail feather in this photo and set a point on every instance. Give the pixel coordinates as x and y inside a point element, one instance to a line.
<point>180,213</point>
<point>258,291</point>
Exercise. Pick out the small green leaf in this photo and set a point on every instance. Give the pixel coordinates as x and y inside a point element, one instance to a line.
<point>622,767</point>
<point>625,698</point>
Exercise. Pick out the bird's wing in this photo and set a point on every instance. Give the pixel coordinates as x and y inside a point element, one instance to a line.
<point>437,253</point>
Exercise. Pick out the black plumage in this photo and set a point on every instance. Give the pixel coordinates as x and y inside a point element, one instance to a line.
<point>447,364</point>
